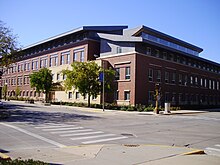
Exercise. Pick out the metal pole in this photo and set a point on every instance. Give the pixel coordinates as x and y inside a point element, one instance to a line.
<point>103,89</point>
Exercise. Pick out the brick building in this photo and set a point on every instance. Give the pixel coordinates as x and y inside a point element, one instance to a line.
<point>141,57</point>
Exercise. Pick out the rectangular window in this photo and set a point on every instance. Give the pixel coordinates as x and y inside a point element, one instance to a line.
<point>61,59</point>
<point>210,84</point>
<point>205,83</point>
<point>52,76</point>
<point>148,51</point>
<point>213,84</point>
<point>196,80</point>
<point>173,78</point>
<point>180,79</point>
<point>51,61</point>
<point>167,77</point>
<point>68,58</point>
<point>45,63</point>
<point>165,55</point>
<point>217,85</point>
<point>127,95</point>
<point>150,75</point>
<point>157,53</point>
<point>64,76</point>
<point>117,74</point>
<point>151,96</point>
<point>191,80</point>
<point>127,73</point>
<point>201,82</point>
<point>158,76</point>
<point>58,76</point>
<point>116,95</point>
<point>82,56</point>
<point>74,56</point>
<point>56,60</point>
<point>77,95</point>
<point>36,65</point>
<point>119,50</point>
<point>70,95</point>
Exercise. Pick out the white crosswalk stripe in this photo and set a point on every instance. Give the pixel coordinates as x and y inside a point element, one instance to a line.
<point>81,134</point>
<point>214,150</point>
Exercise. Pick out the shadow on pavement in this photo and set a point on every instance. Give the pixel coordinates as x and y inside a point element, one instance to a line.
<point>19,113</point>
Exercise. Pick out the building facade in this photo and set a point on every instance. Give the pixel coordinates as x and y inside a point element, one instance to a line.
<point>142,57</point>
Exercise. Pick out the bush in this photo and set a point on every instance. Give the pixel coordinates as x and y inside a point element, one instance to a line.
<point>131,108</point>
<point>149,108</point>
<point>22,162</point>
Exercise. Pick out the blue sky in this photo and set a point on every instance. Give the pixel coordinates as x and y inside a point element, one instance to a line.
<point>194,21</point>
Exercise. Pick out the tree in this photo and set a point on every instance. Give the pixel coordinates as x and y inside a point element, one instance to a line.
<point>8,46</point>
<point>17,92</point>
<point>84,76</point>
<point>42,80</point>
<point>4,91</point>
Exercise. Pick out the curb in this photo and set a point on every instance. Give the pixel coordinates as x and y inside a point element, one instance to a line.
<point>4,157</point>
<point>195,152</point>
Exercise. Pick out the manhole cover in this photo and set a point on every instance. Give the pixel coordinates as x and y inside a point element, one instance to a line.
<point>131,145</point>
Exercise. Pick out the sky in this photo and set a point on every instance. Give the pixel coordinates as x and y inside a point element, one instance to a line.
<point>193,21</point>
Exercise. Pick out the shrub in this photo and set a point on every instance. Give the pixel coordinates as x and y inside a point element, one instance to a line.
<point>131,108</point>
<point>149,108</point>
<point>22,162</point>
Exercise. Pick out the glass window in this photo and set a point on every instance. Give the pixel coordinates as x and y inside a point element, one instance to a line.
<point>36,65</point>
<point>158,76</point>
<point>58,76</point>
<point>196,80</point>
<point>61,59</point>
<point>165,55</point>
<point>119,49</point>
<point>116,95</point>
<point>167,77</point>
<point>210,84</point>
<point>157,54</point>
<point>150,74</point>
<point>205,83</point>
<point>82,56</point>
<point>127,95</point>
<point>70,95</point>
<point>56,61</point>
<point>77,95</point>
<point>201,82</point>
<point>217,85</point>
<point>117,74</point>
<point>45,63</point>
<point>127,73</point>
<point>148,51</point>
<point>180,79</point>
<point>68,58</point>
<point>64,77</point>
<point>51,62</point>
<point>150,95</point>
<point>74,56</point>
<point>173,78</point>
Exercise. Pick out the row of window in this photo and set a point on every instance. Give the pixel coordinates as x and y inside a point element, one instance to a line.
<point>183,79</point>
<point>25,93</point>
<point>182,60</point>
<point>184,98</point>
<point>25,80</point>
<point>78,95</point>
<point>35,64</point>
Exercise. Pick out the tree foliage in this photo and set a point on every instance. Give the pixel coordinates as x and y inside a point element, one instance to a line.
<point>8,46</point>
<point>42,80</point>
<point>84,76</point>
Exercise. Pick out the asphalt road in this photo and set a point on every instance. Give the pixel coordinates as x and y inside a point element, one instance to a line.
<point>36,126</point>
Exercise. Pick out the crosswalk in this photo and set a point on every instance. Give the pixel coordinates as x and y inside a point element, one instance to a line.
<point>214,150</point>
<point>79,133</point>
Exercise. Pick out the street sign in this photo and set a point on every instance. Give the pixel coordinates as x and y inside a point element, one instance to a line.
<point>101,76</point>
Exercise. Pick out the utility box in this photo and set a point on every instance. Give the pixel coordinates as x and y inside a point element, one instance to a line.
<point>167,108</point>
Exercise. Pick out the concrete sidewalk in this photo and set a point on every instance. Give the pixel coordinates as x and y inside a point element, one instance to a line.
<point>109,154</point>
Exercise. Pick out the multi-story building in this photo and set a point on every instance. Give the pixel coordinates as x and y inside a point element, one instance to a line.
<point>142,57</point>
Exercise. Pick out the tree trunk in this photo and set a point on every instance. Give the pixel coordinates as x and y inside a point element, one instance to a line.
<point>88,100</point>
<point>46,97</point>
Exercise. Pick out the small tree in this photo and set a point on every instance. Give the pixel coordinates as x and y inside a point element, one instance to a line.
<point>84,77</point>
<point>4,91</point>
<point>42,80</point>
<point>17,92</point>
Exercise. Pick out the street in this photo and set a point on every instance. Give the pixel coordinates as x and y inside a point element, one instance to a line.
<point>32,127</point>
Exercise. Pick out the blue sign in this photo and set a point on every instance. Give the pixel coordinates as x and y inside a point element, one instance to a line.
<point>101,76</point>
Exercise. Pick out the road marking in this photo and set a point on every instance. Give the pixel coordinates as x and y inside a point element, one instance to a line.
<point>217,145</point>
<point>79,134</point>
<point>213,149</point>
<point>60,129</point>
<point>55,126</point>
<point>104,140</point>
<point>72,131</point>
<point>34,135</point>
<point>91,137</point>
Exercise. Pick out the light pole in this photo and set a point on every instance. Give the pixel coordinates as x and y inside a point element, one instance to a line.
<point>102,78</point>
<point>6,88</point>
